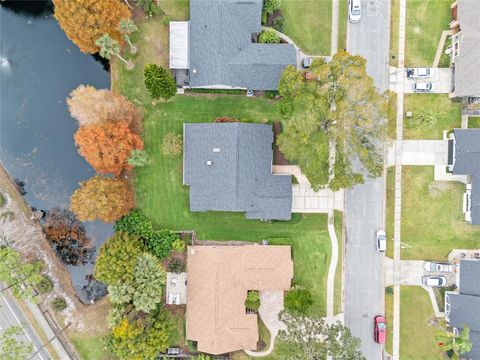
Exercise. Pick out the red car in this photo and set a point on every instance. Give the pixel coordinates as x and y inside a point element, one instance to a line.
<point>380,330</point>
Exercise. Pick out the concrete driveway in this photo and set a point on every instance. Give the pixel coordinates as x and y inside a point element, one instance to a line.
<point>420,152</point>
<point>412,272</point>
<point>441,79</point>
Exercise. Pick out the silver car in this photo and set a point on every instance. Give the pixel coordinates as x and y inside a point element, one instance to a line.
<point>423,87</point>
<point>432,266</point>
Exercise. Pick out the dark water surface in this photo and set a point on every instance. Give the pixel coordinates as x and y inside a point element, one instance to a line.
<point>39,67</point>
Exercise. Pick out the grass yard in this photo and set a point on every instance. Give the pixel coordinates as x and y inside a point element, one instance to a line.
<point>337,305</point>
<point>448,115</point>
<point>417,329</point>
<point>426,19</point>
<point>342,24</point>
<point>308,23</point>
<point>473,122</point>
<point>392,115</point>
<point>90,348</point>
<point>390,209</point>
<point>164,199</point>
<point>389,319</point>
<point>394,23</point>
<point>432,218</point>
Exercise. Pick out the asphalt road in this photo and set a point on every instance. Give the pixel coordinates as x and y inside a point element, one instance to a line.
<point>12,315</point>
<point>364,204</point>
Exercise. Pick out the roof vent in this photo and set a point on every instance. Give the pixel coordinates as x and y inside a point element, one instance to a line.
<point>216,150</point>
<point>209,162</point>
<point>194,71</point>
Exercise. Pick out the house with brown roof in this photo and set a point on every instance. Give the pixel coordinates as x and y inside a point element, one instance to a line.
<point>219,278</point>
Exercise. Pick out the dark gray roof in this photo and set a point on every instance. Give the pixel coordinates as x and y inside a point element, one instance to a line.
<point>221,48</point>
<point>239,176</point>
<point>470,277</point>
<point>474,354</point>
<point>464,309</point>
<point>467,64</point>
<point>467,162</point>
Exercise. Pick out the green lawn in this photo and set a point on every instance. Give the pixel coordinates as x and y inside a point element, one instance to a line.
<point>308,23</point>
<point>164,199</point>
<point>426,19</point>
<point>90,348</point>
<point>177,335</point>
<point>448,115</point>
<point>417,334</point>
<point>389,319</point>
<point>474,122</point>
<point>394,20</point>
<point>342,24</point>
<point>390,216</point>
<point>392,115</point>
<point>432,218</point>
<point>339,271</point>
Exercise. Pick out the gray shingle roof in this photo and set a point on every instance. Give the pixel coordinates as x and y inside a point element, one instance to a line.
<point>464,310</point>
<point>474,354</point>
<point>239,176</point>
<point>467,64</point>
<point>467,162</point>
<point>470,277</point>
<point>221,48</point>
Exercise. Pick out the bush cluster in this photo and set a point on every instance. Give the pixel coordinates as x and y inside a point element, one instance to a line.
<point>268,37</point>
<point>2,200</point>
<point>298,300</point>
<point>45,285</point>
<point>252,301</point>
<point>269,6</point>
<point>278,23</point>
<point>176,265</point>
<point>425,118</point>
<point>58,304</point>
<point>172,144</point>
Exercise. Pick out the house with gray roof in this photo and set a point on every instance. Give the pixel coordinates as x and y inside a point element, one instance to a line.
<point>464,159</point>
<point>217,48</point>
<point>465,49</point>
<point>462,307</point>
<point>228,167</point>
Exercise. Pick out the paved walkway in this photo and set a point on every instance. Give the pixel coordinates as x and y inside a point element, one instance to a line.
<point>440,47</point>
<point>333,264</point>
<point>271,304</point>
<point>334,42</point>
<point>398,184</point>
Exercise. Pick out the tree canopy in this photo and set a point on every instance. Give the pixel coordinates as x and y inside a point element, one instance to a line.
<point>97,106</point>
<point>11,347</point>
<point>101,198</point>
<point>84,21</point>
<point>159,82</point>
<point>107,147</point>
<point>335,106</point>
<point>18,275</point>
<point>117,259</point>
<point>140,338</point>
<point>313,339</point>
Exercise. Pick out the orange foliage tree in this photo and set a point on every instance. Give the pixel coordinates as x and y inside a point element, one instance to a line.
<point>84,21</point>
<point>91,106</point>
<point>108,146</point>
<point>102,198</point>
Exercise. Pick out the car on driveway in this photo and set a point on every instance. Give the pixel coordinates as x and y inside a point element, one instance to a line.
<point>380,329</point>
<point>354,10</point>
<point>413,73</point>
<point>434,281</point>
<point>381,242</point>
<point>423,87</point>
<point>433,266</point>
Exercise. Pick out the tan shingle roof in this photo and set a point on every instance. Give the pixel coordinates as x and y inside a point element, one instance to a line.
<point>218,280</point>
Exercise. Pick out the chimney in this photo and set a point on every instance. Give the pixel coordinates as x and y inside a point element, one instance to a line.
<point>209,162</point>
<point>216,150</point>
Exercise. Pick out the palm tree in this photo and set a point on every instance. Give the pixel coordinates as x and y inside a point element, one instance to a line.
<point>127,27</point>
<point>455,344</point>
<point>109,47</point>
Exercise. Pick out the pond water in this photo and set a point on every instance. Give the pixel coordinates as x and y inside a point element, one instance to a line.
<point>39,67</point>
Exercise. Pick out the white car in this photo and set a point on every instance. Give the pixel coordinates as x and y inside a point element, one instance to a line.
<point>435,281</point>
<point>419,73</point>
<point>354,10</point>
<point>423,87</point>
<point>432,266</point>
<point>381,242</point>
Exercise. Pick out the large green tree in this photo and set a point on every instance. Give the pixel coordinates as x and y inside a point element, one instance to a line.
<point>146,290</point>
<point>117,259</point>
<point>313,339</point>
<point>11,348</point>
<point>141,338</point>
<point>18,275</point>
<point>159,82</point>
<point>335,106</point>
